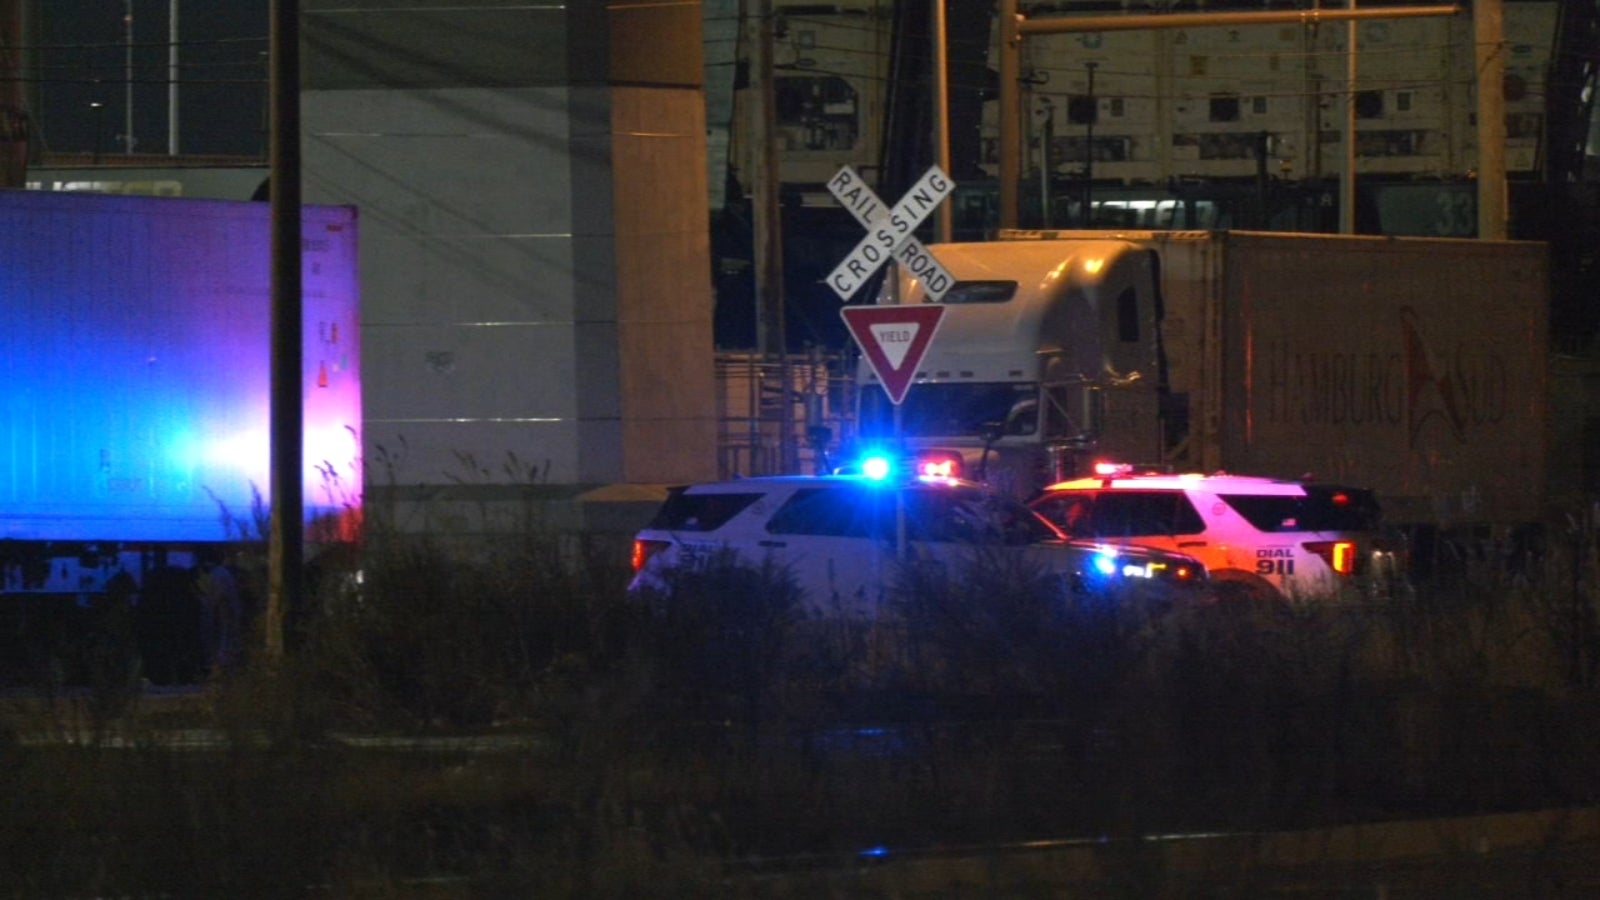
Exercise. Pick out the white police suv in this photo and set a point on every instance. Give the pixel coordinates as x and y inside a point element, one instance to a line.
<point>840,537</point>
<point>1258,536</point>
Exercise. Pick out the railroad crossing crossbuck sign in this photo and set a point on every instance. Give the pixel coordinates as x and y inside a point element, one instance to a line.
<point>890,232</point>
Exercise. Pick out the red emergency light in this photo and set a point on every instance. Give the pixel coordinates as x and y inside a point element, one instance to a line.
<point>939,464</point>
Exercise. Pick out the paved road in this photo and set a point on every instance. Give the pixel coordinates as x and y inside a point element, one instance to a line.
<point>1551,855</point>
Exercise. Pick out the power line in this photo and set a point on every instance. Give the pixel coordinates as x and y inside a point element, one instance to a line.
<point>120,46</point>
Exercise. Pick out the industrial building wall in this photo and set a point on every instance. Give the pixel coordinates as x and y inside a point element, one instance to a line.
<point>535,252</point>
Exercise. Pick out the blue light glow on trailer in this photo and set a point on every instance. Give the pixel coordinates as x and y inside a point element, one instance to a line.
<point>135,351</point>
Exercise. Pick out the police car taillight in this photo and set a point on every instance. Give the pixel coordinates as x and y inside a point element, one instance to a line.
<point>643,550</point>
<point>1339,555</point>
<point>939,464</point>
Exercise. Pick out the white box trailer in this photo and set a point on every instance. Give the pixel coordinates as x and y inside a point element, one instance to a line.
<point>137,346</point>
<point>135,440</point>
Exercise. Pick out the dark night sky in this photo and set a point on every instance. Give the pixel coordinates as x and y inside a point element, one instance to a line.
<point>83,57</point>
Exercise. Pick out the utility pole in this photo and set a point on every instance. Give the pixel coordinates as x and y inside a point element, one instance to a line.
<point>1046,112</point>
<point>766,192</point>
<point>1088,153</point>
<point>15,122</point>
<point>286,549</point>
<point>944,226</point>
<point>172,77</point>
<point>1010,148</point>
<point>99,127</point>
<point>1347,174</point>
<point>127,88</point>
<point>1488,39</point>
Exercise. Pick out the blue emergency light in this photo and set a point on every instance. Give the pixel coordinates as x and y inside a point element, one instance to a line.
<point>877,466</point>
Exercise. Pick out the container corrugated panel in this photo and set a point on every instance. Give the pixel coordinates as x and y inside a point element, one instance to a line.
<point>1416,366</point>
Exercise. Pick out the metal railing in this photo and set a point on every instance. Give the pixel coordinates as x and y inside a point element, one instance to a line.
<point>770,412</point>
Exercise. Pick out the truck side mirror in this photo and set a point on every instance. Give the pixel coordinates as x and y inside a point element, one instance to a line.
<point>990,432</point>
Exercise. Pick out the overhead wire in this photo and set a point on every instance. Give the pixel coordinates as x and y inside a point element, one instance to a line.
<point>73,63</point>
<point>1316,66</point>
<point>865,20</point>
<point>1333,56</point>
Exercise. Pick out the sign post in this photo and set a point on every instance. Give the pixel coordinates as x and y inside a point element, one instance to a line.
<point>893,337</point>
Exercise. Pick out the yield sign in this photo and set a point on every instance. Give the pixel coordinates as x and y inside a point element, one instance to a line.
<point>894,339</point>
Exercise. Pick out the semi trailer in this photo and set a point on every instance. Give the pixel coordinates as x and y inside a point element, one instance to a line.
<point>135,439</point>
<point>1417,367</point>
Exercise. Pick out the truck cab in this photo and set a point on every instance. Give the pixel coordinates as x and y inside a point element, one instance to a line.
<point>1048,355</point>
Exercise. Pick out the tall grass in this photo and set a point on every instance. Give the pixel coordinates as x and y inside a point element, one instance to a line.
<point>544,734</point>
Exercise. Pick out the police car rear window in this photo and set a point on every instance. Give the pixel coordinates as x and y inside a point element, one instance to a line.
<point>830,512</point>
<point>1123,513</point>
<point>699,512</point>
<point>860,513</point>
<point>1324,508</point>
<point>932,514</point>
